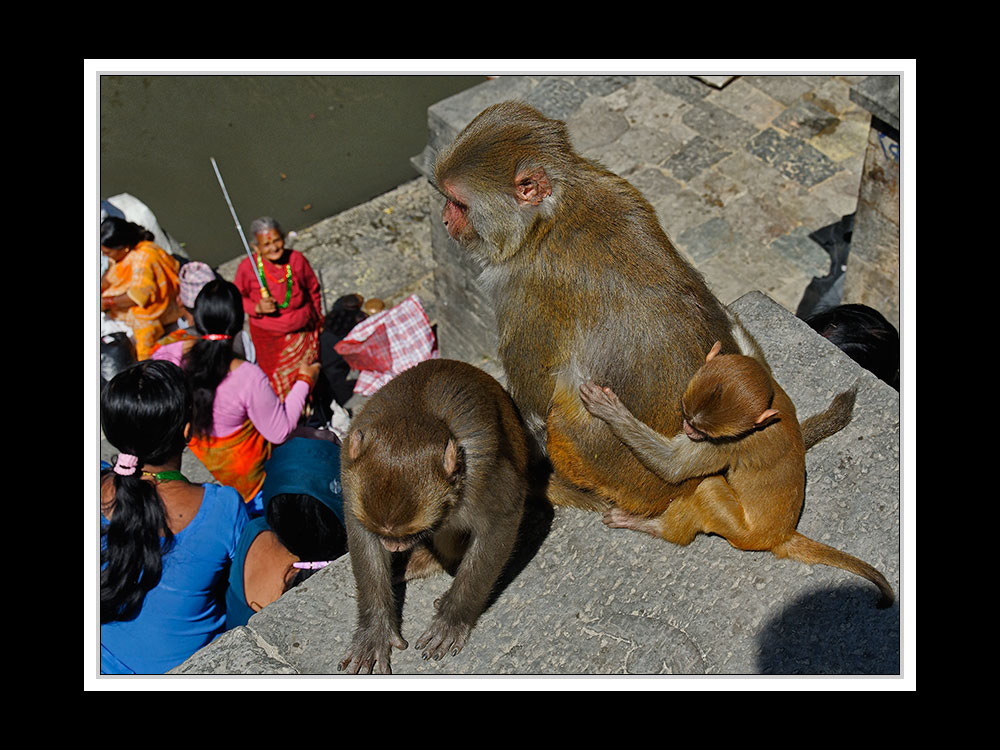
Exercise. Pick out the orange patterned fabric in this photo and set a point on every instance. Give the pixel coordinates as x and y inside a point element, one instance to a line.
<point>236,460</point>
<point>178,334</point>
<point>148,275</point>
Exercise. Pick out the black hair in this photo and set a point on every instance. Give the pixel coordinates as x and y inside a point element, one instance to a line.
<point>118,233</point>
<point>218,309</point>
<point>143,413</point>
<point>306,527</point>
<point>864,335</point>
<point>345,313</point>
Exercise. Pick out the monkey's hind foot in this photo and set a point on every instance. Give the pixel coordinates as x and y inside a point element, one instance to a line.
<point>617,518</point>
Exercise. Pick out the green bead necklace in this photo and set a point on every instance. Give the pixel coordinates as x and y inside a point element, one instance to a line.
<point>288,281</point>
<point>165,476</point>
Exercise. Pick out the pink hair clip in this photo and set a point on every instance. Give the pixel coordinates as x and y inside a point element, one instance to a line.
<point>125,464</point>
<point>311,565</point>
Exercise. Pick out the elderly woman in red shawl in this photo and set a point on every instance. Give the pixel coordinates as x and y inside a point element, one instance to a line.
<point>285,320</point>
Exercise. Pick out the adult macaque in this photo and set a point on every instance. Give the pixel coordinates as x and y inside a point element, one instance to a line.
<point>741,441</point>
<point>586,286</point>
<point>435,466</point>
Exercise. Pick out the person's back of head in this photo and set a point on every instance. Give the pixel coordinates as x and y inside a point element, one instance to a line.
<point>303,498</point>
<point>218,318</point>
<point>120,233</point>
<point>864,335</point>
<point>307,527</point>
<point>144,412</point>
<point>345,313</point>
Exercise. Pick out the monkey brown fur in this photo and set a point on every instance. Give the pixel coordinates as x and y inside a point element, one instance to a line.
<point>434,465</point>
<point>741,441</point>
<point>586,285</point>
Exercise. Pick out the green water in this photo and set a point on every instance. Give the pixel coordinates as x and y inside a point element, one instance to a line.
<point>296,147</point>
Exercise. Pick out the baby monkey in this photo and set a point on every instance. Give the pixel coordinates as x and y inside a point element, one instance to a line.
<point>740,433</point>
<point>435,467</point>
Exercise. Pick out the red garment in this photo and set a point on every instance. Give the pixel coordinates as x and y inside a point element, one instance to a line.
<point>388,342</point>
<point>279,353</point>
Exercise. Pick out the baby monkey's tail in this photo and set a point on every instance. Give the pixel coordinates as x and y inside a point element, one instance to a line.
<point>804,549</point>
<point>833,419</point>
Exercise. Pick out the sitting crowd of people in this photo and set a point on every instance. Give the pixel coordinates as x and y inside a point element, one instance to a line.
<point>183,562</point>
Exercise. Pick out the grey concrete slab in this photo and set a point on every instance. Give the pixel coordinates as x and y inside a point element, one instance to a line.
<point>880,96</point>
<point>601,601</point>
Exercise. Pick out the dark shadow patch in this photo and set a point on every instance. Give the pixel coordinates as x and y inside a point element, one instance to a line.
<point>833,632</point>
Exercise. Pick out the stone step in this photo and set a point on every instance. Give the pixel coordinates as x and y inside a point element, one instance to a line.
<point>598,601</point>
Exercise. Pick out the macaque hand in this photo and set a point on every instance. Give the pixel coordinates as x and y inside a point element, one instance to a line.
<point>371,651</point>
<point>443,638</point>
<point>601,401</point>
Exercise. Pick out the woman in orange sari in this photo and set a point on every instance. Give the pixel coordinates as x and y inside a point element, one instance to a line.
<point>285,321</point>
<point>237,416</point>
<point>140,288</point>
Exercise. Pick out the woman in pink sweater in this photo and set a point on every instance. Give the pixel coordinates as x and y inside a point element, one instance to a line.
<point>237,415</point>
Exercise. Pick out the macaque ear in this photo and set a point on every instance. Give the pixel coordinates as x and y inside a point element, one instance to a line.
<point>716,348</point>
<point>453,459</point>
<point>766,415</point>
<point>531,186</point>
<point>354,444</point>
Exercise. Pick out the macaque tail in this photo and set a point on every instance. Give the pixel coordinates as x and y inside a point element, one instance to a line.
<point>833,419</point>
<point>804,549</point>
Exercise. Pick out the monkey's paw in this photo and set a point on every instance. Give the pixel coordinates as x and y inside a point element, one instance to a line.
<point>617,518</point>
<point>600,401</point>
<point>442,638</point>
<point>370,652</point>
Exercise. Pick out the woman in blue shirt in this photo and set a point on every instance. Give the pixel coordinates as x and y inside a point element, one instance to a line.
<point>166,544</point>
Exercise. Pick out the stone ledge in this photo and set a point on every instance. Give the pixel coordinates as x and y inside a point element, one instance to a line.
<point>880,96</point>
<point>600,601</point>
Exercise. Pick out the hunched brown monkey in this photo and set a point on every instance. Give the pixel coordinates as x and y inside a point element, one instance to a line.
<point>434,466</point>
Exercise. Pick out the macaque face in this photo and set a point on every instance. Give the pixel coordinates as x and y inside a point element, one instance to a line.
<point>456,218</point>
<point>727,397</point>
<point>692,433</point>
<point>401,497</point>
<point>394,544</point>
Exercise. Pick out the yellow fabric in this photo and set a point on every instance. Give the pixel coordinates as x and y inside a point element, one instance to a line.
<point>148,275</point>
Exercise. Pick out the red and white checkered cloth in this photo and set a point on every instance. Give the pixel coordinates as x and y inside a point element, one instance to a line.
<point>385,344</point>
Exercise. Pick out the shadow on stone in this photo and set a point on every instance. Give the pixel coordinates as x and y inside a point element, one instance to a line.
<point>536,522</point>
<point>825,292</point>
<point>535,526</point>
<point>834,632</point>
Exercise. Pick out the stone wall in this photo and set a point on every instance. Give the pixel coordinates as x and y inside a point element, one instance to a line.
<point>873,268</point>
